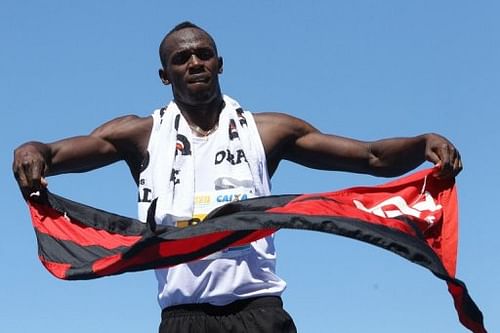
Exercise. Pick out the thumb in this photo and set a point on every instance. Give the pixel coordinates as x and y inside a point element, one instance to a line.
<point>433,157</point>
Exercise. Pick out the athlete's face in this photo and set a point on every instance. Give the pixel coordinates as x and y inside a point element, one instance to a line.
<point>192,67</point>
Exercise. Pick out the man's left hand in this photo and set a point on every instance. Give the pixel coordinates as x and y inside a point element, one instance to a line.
<point>443,153</point>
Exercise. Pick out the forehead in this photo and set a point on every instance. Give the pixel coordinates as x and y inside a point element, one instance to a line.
<point>188,38</point>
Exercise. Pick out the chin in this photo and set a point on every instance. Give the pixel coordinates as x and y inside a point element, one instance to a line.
<point>201,97</point>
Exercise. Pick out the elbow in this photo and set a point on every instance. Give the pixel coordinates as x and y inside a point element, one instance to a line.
<point>378,166</point>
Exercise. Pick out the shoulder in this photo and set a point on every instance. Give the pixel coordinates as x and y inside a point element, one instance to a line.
<point>128,134</point>
<point>279,133</point>
<point>124,127</point>
<point>281,125</point>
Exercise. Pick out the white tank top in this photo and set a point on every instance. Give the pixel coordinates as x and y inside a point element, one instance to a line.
<point>232,274</point>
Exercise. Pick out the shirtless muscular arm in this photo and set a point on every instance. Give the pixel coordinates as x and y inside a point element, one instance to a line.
<point>124,138</point>
<point>289,138</point>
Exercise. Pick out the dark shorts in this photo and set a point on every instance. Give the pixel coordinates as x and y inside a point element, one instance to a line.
<point>259,314</point>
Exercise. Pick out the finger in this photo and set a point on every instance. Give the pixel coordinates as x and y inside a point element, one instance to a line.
<point>438,168</point>
<point>26,169</point>
<point>23,183</point>
<point>36,174</point>
<point>433,158</point>
<point>31,170</point>
<point>438,165</point>
<point>19,175</point>
<point>445,152</point>
<point>457,165</point>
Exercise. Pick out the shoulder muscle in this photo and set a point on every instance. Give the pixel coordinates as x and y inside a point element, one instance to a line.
<point>278,131</point>
<point>127,133</point>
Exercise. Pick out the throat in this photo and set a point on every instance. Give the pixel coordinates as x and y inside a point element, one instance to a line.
<point>203,120</point>
<point>200,132</point>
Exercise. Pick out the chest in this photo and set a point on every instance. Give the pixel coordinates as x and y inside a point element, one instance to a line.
<point>219,165</point>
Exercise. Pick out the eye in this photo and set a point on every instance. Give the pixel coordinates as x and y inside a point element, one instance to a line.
<point>181,57</point>
<point>205,53</point>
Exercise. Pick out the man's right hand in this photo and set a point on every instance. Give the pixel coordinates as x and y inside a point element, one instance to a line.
<point>31,164</point>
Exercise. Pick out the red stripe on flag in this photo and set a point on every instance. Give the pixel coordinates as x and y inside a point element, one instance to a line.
<point>115,264</point>
<point>51,222</point>
<point>255,235</point>
<point>186,246</point>
<point>318,205</point>
<point>57,269</point>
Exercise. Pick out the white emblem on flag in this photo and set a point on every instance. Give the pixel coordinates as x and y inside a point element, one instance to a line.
<point>397,206</point>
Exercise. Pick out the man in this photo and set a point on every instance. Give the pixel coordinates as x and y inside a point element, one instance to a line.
<point>201,148</point>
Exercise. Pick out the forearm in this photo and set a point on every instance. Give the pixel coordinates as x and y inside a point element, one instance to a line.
<point>76,154</point>
<point>396,156</point>
<point>80,154</point>
<point>35,160</point>
<point>386,157</point>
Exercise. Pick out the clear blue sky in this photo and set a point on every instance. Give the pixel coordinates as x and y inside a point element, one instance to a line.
<point>364,69</point>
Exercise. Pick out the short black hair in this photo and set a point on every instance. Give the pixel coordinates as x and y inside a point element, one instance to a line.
<point>178,27</point>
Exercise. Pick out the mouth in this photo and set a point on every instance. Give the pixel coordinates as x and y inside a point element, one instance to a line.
<point>199,78</point>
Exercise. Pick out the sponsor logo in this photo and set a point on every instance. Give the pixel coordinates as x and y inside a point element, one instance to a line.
<point>200,200</point>
<point>232,197</point>
<point>233,158</point>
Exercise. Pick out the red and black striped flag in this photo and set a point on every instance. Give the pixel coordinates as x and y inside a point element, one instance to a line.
<point>414,217</point>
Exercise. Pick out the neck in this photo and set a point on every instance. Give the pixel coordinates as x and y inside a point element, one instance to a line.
<point>202,116</point>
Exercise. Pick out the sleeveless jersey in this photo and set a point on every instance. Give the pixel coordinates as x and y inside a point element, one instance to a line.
<point>232,274</point>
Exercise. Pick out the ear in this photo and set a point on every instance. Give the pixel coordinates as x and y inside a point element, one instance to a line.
<point>221,65</point>
<point>163,76</point>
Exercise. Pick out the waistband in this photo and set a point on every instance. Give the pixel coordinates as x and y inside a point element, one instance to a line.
<point>221,310</point>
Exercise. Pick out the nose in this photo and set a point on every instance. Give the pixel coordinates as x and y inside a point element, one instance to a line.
<point>195,64</point>
<point>194,60</point>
